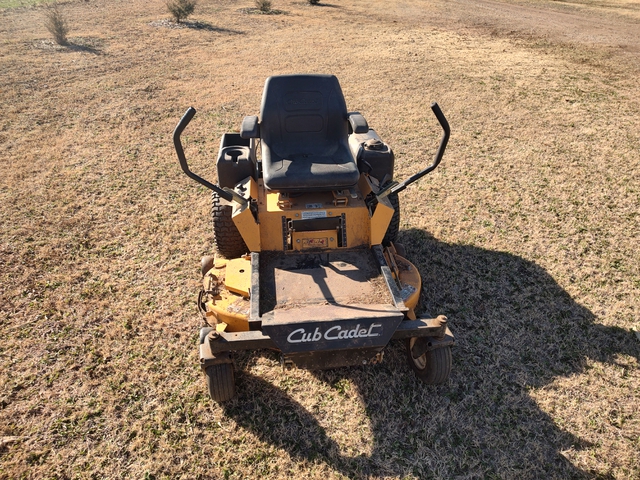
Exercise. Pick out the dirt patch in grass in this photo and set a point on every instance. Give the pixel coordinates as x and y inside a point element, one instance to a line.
<point>526,237</point>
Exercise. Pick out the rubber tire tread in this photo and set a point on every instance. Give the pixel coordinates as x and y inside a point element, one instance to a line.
<point>226,237</point>
<point>394,226</point>
<point>438,365</point>
<point>221,382</point>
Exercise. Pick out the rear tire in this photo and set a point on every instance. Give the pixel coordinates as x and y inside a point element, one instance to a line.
<point>221,382</point>
<point>432,367</point>
<point>226,236</point>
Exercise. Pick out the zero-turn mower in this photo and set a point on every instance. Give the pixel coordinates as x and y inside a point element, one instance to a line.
<point>306,233</point>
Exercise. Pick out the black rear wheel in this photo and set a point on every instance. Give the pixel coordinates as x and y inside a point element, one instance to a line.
<point>221,382</point>
<point>226,236</point>
<point>432,367</point>
<point>394,225</point>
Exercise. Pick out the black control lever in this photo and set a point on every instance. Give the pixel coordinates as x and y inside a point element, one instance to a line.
<point>184,121</point>
<point>398,187</point>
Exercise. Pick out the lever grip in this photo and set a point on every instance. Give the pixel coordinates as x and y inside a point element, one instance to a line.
<point>184,121</point>
<point>182,124</point>
<point>435,108</point>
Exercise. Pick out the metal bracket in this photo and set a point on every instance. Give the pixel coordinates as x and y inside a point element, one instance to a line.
<point>215,358</point>
<point>423,345</point>
<point>285,234</point>
<point>343,230</point>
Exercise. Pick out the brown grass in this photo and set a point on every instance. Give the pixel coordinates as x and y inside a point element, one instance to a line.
<point>526,237</point>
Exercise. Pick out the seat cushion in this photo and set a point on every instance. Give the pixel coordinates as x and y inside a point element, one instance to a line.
<point>310,172</point>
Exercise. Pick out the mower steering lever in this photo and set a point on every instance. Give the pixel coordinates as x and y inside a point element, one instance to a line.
<point>398,187</point>
<point>184,121</point>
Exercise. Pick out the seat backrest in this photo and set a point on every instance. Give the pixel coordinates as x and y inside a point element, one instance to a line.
<point>303,115</point>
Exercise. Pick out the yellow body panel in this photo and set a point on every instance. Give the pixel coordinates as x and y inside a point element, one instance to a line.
<point>233,310</point>
<point>226,310</point>
<point>408,277</point>
<point>268,232</point>
<point>380,220</point>
<point>411,284</point>
<point>248,228</point>
<point>238,276</point>
<point>243,217</point>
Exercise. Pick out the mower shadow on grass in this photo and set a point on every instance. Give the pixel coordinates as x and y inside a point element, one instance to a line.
<point>516,329</point>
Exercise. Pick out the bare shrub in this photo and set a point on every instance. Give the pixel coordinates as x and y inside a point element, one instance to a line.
<point>264,5</point>
<point>181,9</point>
<point>56,24</point>
<point>313,2</point>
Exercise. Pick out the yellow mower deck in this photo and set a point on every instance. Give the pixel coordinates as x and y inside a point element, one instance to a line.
<point>320,309</point>
<point>296,281</point>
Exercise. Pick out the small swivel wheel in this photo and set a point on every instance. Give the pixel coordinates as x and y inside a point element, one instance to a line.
<point>433,366</point>
<point>221,382</point>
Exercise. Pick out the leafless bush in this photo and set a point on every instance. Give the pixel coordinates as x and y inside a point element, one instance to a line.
<point>313,2</point>
<point>263,5</point>
<point>56,24</point>
<point>181,9</point>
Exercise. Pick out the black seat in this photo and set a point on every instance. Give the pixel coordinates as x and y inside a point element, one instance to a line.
<point>304,133</point>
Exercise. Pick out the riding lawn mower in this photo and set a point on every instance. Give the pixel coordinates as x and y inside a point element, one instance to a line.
<point>306,217</point>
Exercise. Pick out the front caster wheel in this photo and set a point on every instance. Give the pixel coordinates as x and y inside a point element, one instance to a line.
<point>221,382</point>
<point>432,367</point>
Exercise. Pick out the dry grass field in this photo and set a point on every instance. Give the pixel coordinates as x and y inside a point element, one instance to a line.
<point>527,237</point>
